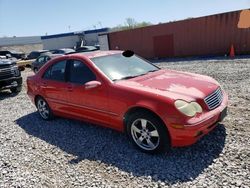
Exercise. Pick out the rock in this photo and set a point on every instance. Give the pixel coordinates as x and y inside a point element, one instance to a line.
<point>68,153</point>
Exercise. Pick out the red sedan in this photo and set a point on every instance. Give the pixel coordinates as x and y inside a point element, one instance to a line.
<point>156,108</point>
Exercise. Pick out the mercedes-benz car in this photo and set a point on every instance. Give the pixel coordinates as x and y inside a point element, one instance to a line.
<point>157,108</point>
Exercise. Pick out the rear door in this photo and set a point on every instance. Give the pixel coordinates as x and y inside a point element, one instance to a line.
<point>54,86</point>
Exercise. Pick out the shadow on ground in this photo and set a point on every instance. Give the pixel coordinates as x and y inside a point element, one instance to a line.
<point>85,141</point>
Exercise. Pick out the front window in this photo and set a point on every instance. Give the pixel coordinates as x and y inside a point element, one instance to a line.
<point>79,73</point>
<point>40,60</point>
<point>117,66</point>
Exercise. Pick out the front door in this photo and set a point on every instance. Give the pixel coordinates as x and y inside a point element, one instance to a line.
<point>89,103</point>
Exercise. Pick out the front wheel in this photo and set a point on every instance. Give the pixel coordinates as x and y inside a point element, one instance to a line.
<point>44,109</point>
<point>148,133</point>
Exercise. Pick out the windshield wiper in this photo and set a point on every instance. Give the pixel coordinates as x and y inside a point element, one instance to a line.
<point>152,71</point>
<point>129,77</point>
<point>126,77</point>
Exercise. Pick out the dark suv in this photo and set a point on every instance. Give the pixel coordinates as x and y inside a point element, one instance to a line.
<point>8,54</point>
<point>10,76</point>
<point>36,54</point>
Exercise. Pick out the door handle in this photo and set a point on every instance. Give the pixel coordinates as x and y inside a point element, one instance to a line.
<point>70,89</point>
<point>44,84</point>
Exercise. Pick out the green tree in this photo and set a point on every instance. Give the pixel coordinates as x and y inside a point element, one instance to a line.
<point>130,23</point>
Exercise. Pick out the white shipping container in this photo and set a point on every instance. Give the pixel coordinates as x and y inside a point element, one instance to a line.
<point>103,41</point>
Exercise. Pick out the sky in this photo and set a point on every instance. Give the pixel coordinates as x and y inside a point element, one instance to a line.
<point>41,17</point>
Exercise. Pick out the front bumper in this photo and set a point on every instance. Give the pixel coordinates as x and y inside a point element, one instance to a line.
<point>10,83</point>
<point>198,127</point>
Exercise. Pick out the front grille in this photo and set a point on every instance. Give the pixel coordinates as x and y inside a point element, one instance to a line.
<point>214,99</point>
<point>6,73</point>
<point>4,66</point>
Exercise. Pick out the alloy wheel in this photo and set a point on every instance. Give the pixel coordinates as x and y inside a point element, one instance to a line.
<point>145,134</point>
<point>43,109</point>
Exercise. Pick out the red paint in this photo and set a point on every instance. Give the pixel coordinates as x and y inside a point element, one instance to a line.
<point>108,103</point>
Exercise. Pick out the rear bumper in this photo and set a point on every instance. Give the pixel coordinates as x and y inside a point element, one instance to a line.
<point>10,83</point>
<point>198,127</point>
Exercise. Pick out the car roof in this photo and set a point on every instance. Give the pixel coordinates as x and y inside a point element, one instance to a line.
<point>94,54</point>
<point>40,51</point>
<point>54,55</point>
<point>66,49</point>
<point>87,47</point>
<point>51,55</point>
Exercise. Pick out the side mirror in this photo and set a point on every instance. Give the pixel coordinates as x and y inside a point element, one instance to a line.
<point>92,84</point>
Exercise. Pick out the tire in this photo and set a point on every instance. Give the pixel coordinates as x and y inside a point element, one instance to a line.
<point>148,133</point>
<point>44,109</point>
<point>17,89</point>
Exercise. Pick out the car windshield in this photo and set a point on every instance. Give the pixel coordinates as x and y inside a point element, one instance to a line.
<point>119,67</point>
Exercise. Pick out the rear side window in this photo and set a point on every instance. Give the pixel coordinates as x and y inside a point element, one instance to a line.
<point>80,73</point>
<point>40,59</point>
<point>46,75</point>
<point>56,72</point>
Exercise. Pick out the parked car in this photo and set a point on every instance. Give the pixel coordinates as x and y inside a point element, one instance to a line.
<point>41,60</point>
<point>156,108</point>
<point>24,63</point>
<point>36,54</point>
<point>10,76</point>
<point>62,51</point>
<point>30,58</point>
<point>97,46</point>
<point>11,53</point>
<point>86,49</point>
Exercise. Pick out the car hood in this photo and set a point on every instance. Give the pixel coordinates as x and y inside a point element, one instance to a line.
<point>18,53</point>
<point>173,84</point>
<point>6,62</point>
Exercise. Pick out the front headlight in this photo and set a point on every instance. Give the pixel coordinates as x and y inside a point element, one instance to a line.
<point>16,71</point>
<point>189,109</point>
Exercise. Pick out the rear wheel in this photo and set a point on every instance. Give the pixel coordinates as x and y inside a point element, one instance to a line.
<point>147,132</point>
<point>44,109</point>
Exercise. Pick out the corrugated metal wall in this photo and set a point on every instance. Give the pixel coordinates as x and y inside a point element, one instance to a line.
<point>209,35</point>
<point>60,42</point>
<point>11,41</point>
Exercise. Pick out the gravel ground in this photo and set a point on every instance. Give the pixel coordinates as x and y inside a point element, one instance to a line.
<point>69,153</point>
